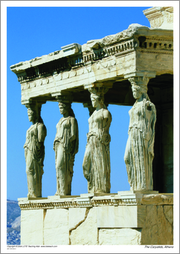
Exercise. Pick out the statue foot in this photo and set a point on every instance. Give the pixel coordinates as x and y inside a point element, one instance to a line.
<point>63,194</point>
<point>60,193</point>
<point>31,195</point>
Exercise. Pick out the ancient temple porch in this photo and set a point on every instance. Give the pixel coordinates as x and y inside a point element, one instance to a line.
<point>109,62</point>
<point>127,218</point>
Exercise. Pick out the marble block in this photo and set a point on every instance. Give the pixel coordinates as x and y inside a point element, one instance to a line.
<point>121,216</point>
<point>56,227</point>
<point>86,233</point>
<point>121,236</point>
<point>111,219</point>
<point>32,227</point>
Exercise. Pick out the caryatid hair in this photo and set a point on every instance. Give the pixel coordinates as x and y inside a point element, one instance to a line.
<point>65,101</point>
<point>140,83</point>
<point>36,108</point>
<point>98,93</point>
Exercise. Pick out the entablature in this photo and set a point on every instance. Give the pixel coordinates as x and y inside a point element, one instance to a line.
<point>109,59</point>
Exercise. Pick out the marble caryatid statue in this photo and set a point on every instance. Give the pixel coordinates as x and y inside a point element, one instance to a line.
<point>96,163</point>
<point>66,146</point>
<point>34,151</point>
<point>139,151</point>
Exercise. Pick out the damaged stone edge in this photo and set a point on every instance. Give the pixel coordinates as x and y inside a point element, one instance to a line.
<point>144,199</point>
<point>97,49</point>
<point>74,228</point>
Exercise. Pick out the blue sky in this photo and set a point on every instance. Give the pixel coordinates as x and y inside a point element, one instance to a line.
<point>33,32</point>
<point>37,31</point>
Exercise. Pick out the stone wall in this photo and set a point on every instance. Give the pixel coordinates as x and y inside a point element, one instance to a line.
<point>125,218</point>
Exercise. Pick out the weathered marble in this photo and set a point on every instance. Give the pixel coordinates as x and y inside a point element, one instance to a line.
<point>139,151</point>
<point>96,163</point>
<point>158,228</point>
<point>158,199</point>
<point>34,151</point>
<point>66,146</point>
<point>120,236</point>
<point>110,60</point>
<point>32,227</point>
<point>86,233</point>
<point>136,49</point>
<point>160,17</point>
<point>76,217</point>
<point>121,216</point>
<point>56,231</point>
<point>98,220</point>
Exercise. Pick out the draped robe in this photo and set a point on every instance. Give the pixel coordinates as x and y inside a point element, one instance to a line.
<point>139,151</point>
<point>96,163</point>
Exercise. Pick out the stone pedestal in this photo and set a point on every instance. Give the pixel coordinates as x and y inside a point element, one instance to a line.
<point>125,218</point>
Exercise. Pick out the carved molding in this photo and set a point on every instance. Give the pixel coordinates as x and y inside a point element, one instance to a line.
<point>95,201</point>
<point>140,74</point>
<point>77,204</point>
<point>66,68</point>
<point>160,17</point>
<point>64,96</point>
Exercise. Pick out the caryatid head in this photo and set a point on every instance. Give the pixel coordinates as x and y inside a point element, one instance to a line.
<point>97,97</point>
<point>34,110</point>
<point>65,105</point>
<point>139,86</point>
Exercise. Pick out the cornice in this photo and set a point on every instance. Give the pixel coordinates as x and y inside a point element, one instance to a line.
<point>129,199</point>
<point>75,56</point>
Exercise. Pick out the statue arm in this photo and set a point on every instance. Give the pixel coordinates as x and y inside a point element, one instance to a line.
<point>107,119</point>
<point>73,129</point>
<point>26,145</point>
<point>150,131</point>
<point>74,137</point>
<point>41,132</point>
<point>151,141</point>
